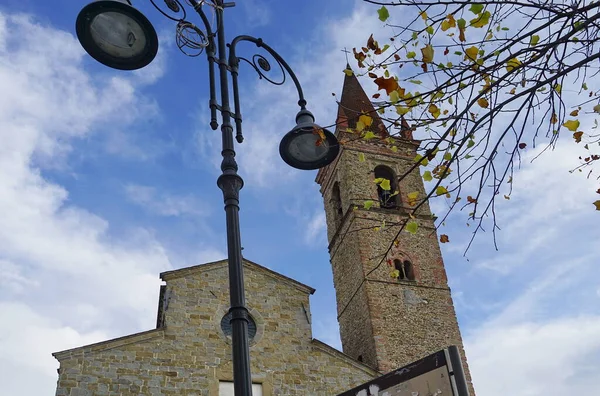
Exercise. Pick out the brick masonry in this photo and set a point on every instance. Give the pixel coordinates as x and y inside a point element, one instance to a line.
<point>189,355</point>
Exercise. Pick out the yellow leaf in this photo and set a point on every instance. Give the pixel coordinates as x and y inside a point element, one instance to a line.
<point>412,198</point>
<point>571,125</point>
<point>435,112</point>
<point>481,20</point>
<point>348,72</point>
<point>394,149</point>
<point>366,120</point>
<point>512,64</point>
<point>471,53</point>
<point>483,103</point>
<point>574,113</point>
<point>423,15</point>
<point>597,204</point>
<point>534,39</point>
<point>427,52</point>
<point>367,204</point>
<point>597,108</point>
<point>558,88</point>
<point>402,110</point>
<point>386,185</point>
<point>360,126</point>
<point>448,23</point>
<point>395,274</point>
<point>394,97</point>
<point>361,157</point>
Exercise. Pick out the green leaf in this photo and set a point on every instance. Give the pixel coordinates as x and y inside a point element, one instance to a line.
<point>461,23</point>
<point>476,8</point>
<point>367,204</point>
<point>441,190</point>
<point>412,227</point>
<point>424,161</point>
<point>369,135</point>
<point>411,54</point>
<point>361,157</point>
<point>481,20</point>
<point>470,143</point>
<point>416,81</point>
<point>383,13</point>
<point>447,156</point>
<point>429,29</point>
<point>534,39</point>
<point>427,176</point>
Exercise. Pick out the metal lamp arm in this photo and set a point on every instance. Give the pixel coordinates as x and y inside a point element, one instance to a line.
<point>260,64</point>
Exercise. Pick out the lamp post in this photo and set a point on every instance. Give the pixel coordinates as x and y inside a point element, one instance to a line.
<point>119,36</point>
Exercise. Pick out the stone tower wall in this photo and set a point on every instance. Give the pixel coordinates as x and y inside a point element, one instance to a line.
<point>388,322</point>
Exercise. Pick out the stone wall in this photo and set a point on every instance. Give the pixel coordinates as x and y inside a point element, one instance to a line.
<point>190,354</point>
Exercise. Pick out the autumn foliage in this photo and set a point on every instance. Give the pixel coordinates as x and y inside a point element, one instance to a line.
<point>483,83</point>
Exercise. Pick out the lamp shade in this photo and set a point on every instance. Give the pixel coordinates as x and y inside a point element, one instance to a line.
<point>116,34</point>
<point>308,146</point>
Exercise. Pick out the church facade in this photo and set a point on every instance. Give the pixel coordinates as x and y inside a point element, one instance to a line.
<point>385,322</point>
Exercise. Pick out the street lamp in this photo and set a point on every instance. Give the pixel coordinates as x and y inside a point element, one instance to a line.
<point>119,36</point>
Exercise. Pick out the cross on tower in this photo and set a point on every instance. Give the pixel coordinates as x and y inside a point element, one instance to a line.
<point>346,52</point>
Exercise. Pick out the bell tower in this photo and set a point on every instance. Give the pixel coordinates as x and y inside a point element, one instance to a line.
<point>385,321</point>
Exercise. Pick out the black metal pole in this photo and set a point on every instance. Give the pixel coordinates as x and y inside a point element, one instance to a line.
<point>231,183</point>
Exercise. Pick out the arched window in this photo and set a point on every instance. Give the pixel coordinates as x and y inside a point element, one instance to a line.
<point>409,271</point>
<point>336,199</point>
<point>386,197</point>
<point>398,266</point>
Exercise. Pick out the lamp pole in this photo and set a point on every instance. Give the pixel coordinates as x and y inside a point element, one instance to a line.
<point>121,37</point>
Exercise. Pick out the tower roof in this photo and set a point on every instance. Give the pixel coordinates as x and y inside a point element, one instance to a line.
<point>354,102</point>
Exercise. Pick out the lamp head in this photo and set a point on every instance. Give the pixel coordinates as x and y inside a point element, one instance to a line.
<point>116,34</point>
<point>308,146</point>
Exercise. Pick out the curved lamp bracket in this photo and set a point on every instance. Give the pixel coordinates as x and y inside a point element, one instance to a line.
<point>262,66</point>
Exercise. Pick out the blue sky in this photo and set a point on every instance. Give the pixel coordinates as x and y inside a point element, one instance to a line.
<point>108,178</point>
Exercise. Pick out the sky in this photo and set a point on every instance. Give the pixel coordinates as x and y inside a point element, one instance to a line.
<point>108,178</point>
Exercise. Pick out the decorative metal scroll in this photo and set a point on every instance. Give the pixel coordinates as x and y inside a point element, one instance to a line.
<point>176,10</point>
<point>190,39</point>
<point>262,66</point>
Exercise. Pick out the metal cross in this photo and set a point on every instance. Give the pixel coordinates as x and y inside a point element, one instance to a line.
<point>346,52</point>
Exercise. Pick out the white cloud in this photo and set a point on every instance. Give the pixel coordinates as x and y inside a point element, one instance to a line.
<point>73,281</point>
<point>163,203</point>
<point>555,358</point>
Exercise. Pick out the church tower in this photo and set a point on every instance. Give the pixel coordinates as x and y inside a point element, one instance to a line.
<point>385,322</point>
